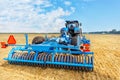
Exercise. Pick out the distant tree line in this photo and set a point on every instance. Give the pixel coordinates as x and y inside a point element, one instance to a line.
<point>113,31</point>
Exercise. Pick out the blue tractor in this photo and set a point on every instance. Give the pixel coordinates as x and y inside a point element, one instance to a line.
<point>70,50</point>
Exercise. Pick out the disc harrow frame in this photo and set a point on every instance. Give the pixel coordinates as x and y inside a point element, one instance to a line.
<point>21,55</point>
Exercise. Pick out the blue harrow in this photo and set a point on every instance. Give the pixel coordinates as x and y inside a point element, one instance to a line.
<point>70,50</point>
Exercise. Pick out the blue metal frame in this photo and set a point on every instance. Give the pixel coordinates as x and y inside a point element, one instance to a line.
<point>53,49</point>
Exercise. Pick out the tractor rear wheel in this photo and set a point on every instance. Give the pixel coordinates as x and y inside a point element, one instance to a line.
<point>38,40</point>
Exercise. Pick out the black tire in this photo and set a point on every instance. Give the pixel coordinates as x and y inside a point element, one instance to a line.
<point>74,40</point>
<point>38,40</point>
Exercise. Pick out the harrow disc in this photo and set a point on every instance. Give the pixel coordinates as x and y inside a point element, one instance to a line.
<point>47,57</point>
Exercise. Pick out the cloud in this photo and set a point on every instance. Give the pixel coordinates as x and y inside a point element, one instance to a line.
<point>31,16</point>
<point>68,3</point>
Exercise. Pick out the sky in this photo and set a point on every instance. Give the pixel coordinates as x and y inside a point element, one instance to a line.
<point>49,16</point>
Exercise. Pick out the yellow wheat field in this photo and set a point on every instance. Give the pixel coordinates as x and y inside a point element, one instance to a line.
<point>106,62</point>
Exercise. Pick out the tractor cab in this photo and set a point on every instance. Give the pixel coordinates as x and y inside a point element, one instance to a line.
<point>73,27</point>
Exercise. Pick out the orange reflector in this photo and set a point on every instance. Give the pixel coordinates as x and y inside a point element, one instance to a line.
<point>86,47</point>
<point>3,45</point>
<point>11,40</point>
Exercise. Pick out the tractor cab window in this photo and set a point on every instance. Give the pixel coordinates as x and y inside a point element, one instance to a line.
<point>70,26</point>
